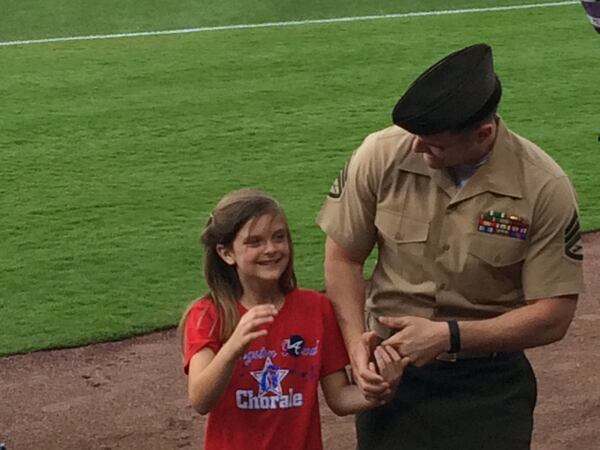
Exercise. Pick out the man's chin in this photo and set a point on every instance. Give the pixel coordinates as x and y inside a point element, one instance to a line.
<point>433,162</point>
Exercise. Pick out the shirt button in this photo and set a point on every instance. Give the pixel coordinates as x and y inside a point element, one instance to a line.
<point>446,247</point>
<point>443,286</point>
<point>398,236</point>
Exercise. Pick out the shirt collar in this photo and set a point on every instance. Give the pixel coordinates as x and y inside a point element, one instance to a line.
<point>499,174</point>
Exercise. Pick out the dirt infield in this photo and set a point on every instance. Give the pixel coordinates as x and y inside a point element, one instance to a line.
<point>131,394</point>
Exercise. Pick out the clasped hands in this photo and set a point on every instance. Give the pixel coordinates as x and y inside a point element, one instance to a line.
<point>378,365</point>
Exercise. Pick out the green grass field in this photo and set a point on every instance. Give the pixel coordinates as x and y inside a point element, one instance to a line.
<point>112,152</point>
<point>35,19</point>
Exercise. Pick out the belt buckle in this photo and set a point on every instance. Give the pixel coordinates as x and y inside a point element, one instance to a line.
<point>447,357</point>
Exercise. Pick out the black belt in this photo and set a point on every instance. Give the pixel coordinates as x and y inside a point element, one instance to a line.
<point>453,357</point>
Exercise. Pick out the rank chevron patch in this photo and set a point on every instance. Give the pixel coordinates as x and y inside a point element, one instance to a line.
<point>573,245</point>
<point>336,189</point>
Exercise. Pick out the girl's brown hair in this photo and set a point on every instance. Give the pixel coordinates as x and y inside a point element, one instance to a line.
<point>224,287</point>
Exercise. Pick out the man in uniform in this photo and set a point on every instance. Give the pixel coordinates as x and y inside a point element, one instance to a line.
<point>479,257</point>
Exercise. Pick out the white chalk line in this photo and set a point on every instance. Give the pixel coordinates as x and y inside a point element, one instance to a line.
<point>289,23</point>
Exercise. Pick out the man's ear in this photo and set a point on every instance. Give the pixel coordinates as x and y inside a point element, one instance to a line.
<point>485,131</point>
<point>225,254</point>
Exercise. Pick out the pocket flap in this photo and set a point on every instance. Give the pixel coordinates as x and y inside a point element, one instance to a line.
<point>399,228</point>
<point>497,251</point>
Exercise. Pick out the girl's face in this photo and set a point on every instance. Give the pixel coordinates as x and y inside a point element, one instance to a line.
<point>260,251</point>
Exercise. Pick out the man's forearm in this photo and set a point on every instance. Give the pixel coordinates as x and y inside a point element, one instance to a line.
<point>533,325</point>
<point>345,287</point>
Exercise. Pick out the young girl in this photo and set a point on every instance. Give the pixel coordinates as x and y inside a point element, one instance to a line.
<point>256,346</point>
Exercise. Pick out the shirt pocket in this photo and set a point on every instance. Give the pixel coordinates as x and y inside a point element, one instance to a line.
<point>494,268</point>
<point>497,251</point>
<point>400,229</point>
<point>402,245</point>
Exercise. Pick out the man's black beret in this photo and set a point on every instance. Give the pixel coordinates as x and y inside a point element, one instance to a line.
<point>450,93</point>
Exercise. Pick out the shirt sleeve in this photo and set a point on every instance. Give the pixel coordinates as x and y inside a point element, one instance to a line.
<point>334,356</point>
<point>348,213</point>
<point>553,265</point>
<point>200,330</point>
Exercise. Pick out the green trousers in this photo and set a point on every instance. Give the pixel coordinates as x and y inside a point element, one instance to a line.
<point>471,404</point>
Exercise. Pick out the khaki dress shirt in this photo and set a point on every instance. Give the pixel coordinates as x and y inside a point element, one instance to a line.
<point>509,235</point>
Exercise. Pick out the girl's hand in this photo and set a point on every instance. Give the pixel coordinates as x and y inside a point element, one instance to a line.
<point>390,366</point>
<point>248,328</point>
<point>365,374</point>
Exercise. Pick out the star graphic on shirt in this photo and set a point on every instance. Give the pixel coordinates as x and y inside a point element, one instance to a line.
<point>269,378</point>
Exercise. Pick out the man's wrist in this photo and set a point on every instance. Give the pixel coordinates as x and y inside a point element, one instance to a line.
<point>353,340</point>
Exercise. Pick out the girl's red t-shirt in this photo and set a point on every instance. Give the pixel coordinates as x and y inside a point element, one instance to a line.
<point>271,400</point>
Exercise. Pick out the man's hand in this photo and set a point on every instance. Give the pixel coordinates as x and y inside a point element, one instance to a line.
<point>372,384</point>
<point>418,340</point>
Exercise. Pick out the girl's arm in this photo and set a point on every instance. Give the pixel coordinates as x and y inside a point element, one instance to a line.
<point>209,373</point>
<point>344,398</point>
<point>208,377</point>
